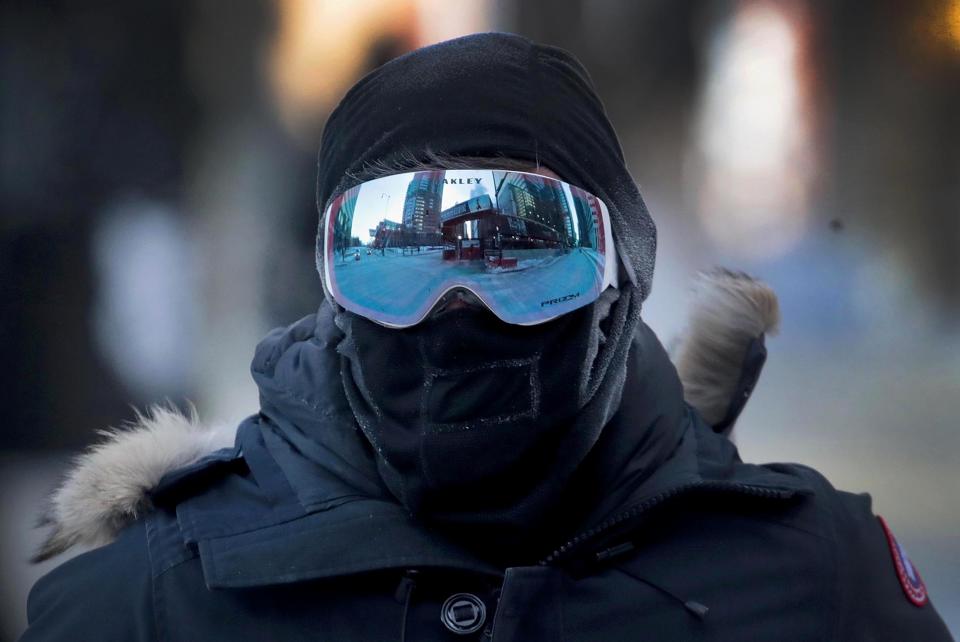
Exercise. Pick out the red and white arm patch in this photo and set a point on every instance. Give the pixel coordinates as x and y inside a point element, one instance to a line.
<point>910,580</point>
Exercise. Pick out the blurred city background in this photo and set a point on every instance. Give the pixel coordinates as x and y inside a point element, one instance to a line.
<point>158,158</point>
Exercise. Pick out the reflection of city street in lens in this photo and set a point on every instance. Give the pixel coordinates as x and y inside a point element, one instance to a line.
<point>520,241</point>
<point>523,211</point>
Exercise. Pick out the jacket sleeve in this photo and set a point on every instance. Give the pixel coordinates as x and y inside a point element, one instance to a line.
<point>104,594</point>
<point>874,603</point>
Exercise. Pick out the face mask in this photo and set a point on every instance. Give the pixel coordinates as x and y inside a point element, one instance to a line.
<point>463,410</point>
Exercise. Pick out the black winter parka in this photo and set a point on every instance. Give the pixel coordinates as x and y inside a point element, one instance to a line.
<point>277,538</point>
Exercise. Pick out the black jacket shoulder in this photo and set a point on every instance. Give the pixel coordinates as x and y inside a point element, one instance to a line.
<point>873,603</point>
<point>876,604</point>
<point>104,594</point>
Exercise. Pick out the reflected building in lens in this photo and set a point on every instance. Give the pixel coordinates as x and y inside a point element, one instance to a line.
<point>541,205</point>
<point>384,235</point>
<point>590,232</point>
<point>343,210</point>
<point>421,209</point>
<point>524,220</point>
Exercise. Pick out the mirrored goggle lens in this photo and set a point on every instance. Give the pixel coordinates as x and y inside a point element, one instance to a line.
<point>529,247</point>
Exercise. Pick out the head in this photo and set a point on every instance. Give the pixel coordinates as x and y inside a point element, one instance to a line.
<point>468,413</point>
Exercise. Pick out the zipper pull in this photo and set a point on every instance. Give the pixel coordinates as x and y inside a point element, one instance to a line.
<point>698,609</point>
<point>405,586</point>
<point>613,551</point>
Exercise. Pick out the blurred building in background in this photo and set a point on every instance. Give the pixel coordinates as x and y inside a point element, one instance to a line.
<point>156,184</point>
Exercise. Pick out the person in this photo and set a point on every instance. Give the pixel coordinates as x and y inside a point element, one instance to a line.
<point>448,450</point>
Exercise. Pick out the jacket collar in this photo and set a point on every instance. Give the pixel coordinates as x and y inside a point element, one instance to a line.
<point>251,530</point>
<point>704,462</point>
<point>311,504</point>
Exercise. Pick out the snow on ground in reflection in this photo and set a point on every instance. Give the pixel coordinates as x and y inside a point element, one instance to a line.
<point>406,286</point>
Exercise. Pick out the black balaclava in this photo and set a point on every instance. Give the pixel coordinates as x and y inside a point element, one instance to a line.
<point>476,423</point>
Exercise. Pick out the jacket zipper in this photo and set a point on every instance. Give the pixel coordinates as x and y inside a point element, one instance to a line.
<point>567,549</point>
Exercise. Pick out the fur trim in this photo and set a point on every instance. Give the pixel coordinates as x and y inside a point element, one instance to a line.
<point>731,310</point>
<point>109,484</point>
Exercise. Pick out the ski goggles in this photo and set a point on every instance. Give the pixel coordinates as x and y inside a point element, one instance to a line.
<point>529,247</point>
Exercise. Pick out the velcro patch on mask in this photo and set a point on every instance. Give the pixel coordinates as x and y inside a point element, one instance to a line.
<point>493,393</point>
<point>907,574</point>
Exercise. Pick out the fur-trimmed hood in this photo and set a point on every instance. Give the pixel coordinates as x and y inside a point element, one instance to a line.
<point>109,485</point>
